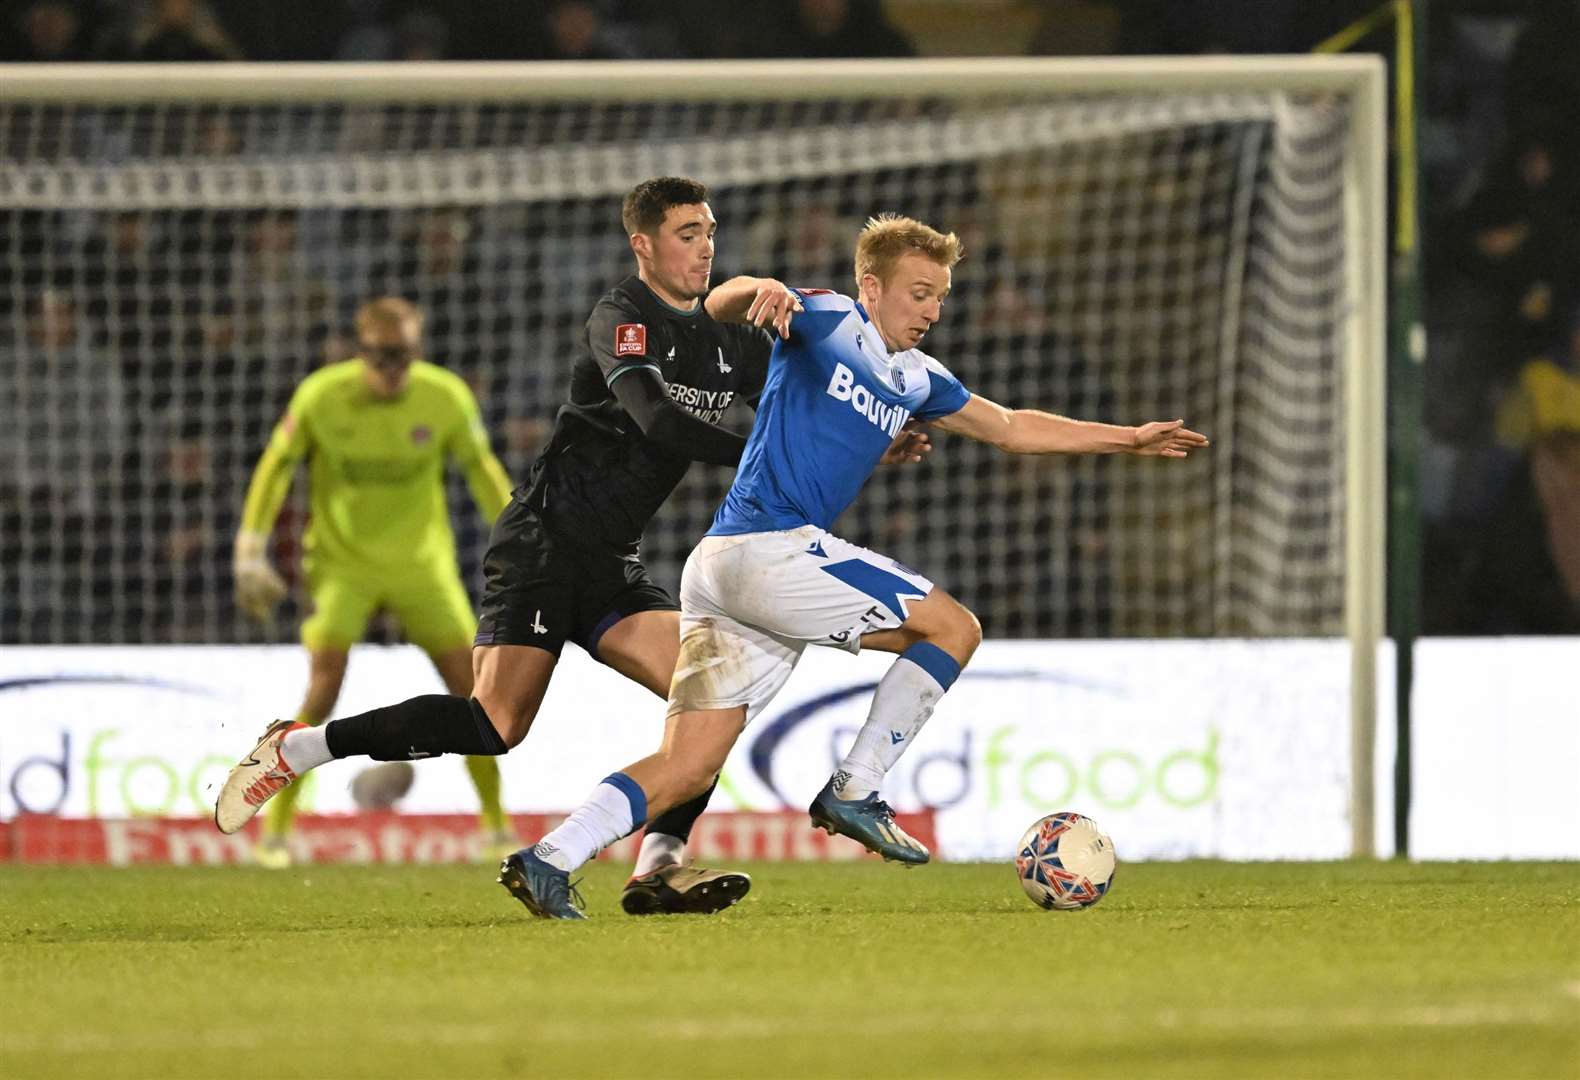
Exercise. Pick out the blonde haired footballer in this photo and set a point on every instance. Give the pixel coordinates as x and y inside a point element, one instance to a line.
<point>843,381</point>
<point>376,431</point>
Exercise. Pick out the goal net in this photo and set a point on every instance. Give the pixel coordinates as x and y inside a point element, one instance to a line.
<point>173,264</point>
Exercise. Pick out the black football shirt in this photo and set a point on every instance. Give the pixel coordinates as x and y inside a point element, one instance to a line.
<point>599,477</point>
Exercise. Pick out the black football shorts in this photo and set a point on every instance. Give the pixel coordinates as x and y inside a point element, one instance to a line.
<point>543,589</point>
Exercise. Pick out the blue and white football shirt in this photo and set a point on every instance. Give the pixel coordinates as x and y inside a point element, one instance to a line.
<point>834,400</point>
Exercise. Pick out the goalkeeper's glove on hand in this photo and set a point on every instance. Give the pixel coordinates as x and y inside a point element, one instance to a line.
<point>258,587</point>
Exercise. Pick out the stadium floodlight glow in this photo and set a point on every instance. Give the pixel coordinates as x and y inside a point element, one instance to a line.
<point>1200,236</point>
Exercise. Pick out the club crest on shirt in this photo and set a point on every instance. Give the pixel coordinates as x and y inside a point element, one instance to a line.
<point>899,378</point>
<point>420,434</point>
<point>630,339</point>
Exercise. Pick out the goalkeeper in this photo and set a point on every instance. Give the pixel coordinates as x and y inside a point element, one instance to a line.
<point>376,430</point>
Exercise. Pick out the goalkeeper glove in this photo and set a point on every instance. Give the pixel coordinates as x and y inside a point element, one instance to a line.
<point>258,587</point>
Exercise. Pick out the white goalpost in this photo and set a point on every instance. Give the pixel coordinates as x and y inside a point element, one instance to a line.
<point>1145,238</point>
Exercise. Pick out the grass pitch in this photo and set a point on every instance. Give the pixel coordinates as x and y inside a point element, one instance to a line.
<point>1186,970</point>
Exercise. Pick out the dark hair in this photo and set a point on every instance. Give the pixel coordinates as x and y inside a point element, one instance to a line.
<point>645,206</point>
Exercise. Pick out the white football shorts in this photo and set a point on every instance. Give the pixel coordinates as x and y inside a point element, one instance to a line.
<point>750,604</point>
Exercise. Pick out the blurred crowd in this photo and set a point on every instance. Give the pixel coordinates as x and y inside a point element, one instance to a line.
<point>165,30</point>
<point>181,316</point>
<point>1501,471</point>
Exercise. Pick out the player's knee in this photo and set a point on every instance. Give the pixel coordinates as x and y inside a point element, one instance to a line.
<point>693,778</point>
<point>960,632</point>
<point>690,772</point>
<point>512,727</point>
<point>970,632</point>
<point>510,719</point>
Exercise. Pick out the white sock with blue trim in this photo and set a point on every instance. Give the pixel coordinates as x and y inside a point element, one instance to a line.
<point>617,807</point>
<point>904,700</point>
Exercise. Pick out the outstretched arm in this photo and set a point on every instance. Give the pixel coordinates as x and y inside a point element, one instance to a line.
<point>1028,431</point>
<point>758,301</point>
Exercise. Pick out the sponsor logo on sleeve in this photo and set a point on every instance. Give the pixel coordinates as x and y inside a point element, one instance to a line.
<point>630,339</point>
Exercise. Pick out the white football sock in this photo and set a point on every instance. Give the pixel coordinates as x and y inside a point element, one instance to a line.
<point>306,748</point>
<point>617,807</point>
<point>904,700</point>
<point>658,849</point>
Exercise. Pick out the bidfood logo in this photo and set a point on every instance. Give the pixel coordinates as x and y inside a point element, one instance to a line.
<point>112,777</point>
<point>92,770</point>
<point>1116,779</point>
<point>1039,765</point>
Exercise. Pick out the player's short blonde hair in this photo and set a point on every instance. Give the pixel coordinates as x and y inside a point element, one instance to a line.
<point>388,313</point>
<point>889,236</point>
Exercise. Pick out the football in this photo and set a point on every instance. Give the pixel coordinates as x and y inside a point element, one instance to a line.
<point>1065,862</point>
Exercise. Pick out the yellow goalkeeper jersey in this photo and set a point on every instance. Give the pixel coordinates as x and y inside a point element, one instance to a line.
<point>376,467</point>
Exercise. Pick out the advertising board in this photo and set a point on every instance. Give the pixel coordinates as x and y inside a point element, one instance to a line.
<point>1231,749</point>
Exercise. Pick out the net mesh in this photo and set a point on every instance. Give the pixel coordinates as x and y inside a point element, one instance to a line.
<point>169,273</point>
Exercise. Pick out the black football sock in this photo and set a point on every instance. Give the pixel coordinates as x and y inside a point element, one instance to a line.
<point>678,820</point>
<point>417,728</point>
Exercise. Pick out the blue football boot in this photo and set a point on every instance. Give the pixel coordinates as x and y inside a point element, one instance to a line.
<point>868,821</point>
<point>546,890</point>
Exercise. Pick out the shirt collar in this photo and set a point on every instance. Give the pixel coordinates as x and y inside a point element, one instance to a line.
<point>671,308</point>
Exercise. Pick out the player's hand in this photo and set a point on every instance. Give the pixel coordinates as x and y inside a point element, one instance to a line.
<point>258,587</point>
<point>909,448</point>
<point>773,305</point>
<point>1167,438</point>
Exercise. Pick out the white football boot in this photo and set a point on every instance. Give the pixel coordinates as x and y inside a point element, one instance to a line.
<point>255,779</point>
